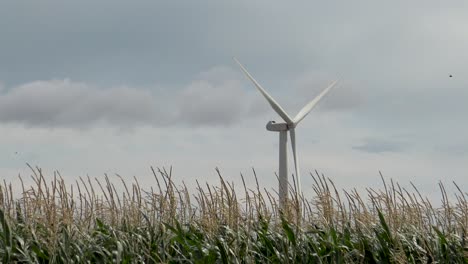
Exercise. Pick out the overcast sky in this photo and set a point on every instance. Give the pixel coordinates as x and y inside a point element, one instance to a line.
<point>94,87</point>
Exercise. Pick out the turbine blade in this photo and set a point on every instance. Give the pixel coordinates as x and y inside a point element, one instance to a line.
<point>292,133</point>
<point>308,107</point>
<point>278,109</point>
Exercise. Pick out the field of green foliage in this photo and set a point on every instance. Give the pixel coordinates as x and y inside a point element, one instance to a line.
<point>91,222</point>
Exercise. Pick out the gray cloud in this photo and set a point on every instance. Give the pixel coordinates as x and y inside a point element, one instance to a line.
<point>460,149</point>
<point>153,41</point>
<point>374,145</point>
<point>64,103</point>
<point>220,74</point>
<point>214,98</point>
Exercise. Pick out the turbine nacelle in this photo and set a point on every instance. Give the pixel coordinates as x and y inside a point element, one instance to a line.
<point>273,126</point>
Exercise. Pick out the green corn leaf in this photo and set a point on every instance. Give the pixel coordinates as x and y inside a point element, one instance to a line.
<point>289,232</point>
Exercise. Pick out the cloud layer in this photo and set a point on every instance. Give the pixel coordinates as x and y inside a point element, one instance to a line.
<point>63,103</point>
<point>219,96</point>
<point>214,98</point>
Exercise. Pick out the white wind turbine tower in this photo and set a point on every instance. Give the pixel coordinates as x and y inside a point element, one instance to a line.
<point>283,128</point>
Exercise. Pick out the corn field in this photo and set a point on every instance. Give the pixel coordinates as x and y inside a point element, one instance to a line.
<point>91,221</point>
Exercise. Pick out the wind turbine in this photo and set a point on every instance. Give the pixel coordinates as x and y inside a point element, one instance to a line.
<point>283,128</point>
